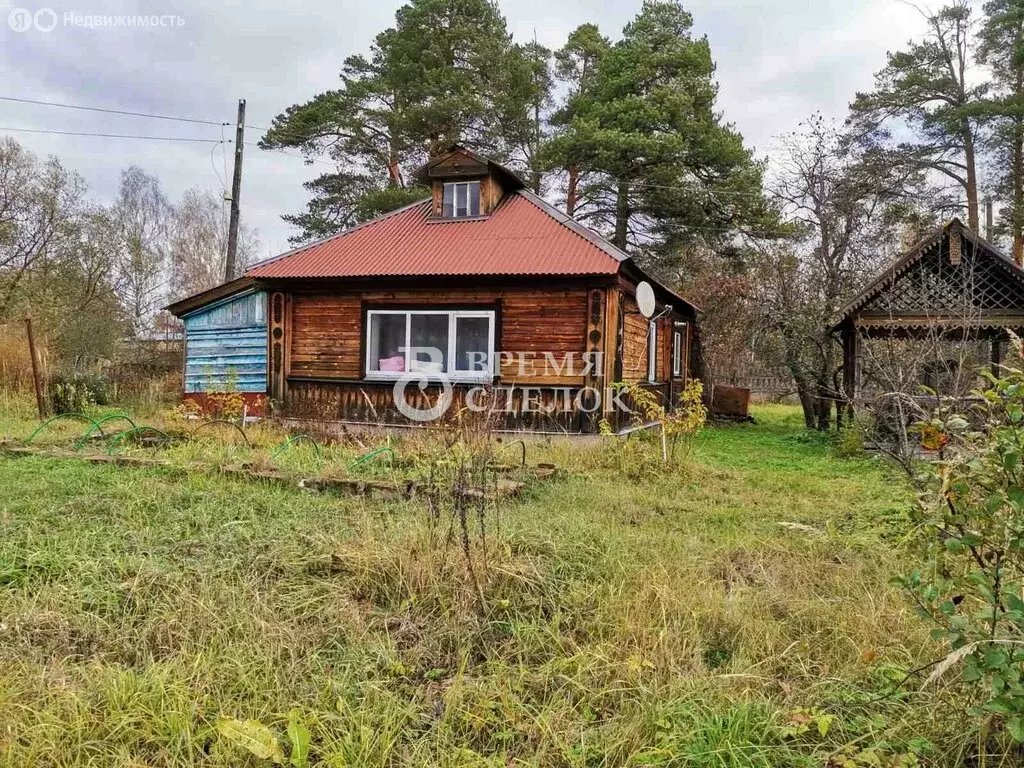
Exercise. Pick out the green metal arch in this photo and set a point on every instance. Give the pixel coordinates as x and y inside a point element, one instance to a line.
<point>222,421</point>
<point>522,444</point>
<point>58,417</point>
<point>373,454</point>
<point>287,443</point>
<point>98,425</point>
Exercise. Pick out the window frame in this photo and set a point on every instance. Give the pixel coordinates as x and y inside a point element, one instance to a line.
<point>453,314</point>
<point>455,186</point>
<point>679,330</point>
<point>652,351</point>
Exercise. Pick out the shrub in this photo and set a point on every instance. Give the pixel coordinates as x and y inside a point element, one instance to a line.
<point>970,526</point>
<point>225,405</point>
<point>74,392</point>
<point>678,425</point>
<point>849,443</point>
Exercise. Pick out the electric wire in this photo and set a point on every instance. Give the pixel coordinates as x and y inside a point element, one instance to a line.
<point>111,111</point>
<point>7,129</point>
<point>311,160</point>
<point>637,184</point>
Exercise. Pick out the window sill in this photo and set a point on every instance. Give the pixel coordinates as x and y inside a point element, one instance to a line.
<point>431,378</point>
<point>436,219</point>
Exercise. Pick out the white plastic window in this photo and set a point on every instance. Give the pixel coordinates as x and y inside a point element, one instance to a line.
<point>461,200</point>
<point>456,343</point>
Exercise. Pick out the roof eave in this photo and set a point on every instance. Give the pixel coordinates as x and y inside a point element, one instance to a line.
<point>195,301</point>
<point>630,265</point>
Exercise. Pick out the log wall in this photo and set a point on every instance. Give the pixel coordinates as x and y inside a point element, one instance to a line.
<point>325,367</point>
<point>326,331</point>
<point>374,403</point>
<point>324,344</point>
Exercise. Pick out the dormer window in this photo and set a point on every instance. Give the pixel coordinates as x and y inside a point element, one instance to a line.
<point>461,200</point>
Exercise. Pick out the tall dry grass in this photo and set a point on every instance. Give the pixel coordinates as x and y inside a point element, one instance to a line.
<point>622,615</point>
<point>15,361</point>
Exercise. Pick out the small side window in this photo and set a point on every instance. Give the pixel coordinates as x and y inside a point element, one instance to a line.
<point>679,349</point>
<point>652,352</point>
<point>448,207</point>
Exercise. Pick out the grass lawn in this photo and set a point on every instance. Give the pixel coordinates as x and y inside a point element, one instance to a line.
<point>736,611</point>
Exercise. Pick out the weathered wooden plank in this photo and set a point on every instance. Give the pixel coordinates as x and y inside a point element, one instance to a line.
<point>226,346</point>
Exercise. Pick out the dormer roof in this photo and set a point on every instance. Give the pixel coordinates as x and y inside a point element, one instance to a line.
<point>461,163</point>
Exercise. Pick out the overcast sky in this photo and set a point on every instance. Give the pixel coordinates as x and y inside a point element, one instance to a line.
<point>778,61</point>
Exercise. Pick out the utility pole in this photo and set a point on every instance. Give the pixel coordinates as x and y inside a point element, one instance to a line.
<point>236,192</point>
<point>988,219</point>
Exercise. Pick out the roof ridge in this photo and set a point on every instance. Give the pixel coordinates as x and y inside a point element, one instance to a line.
<point>581,230</point>
<point>336,235</point>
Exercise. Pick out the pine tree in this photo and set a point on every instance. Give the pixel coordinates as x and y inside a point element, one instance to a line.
<point>576,66</point>
<point>926,88</point>
<point>667,169</point>
<point>535,78</point>
<point>446,73</point>
<point>1001,47</point>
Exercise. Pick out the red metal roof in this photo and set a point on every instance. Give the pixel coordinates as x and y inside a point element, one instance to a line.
<point>522,236</point>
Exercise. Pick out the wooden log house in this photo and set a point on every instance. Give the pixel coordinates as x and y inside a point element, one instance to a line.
<point>514,296</point>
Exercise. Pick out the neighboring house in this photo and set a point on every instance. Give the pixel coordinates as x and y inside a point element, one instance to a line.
<point>511,295</point>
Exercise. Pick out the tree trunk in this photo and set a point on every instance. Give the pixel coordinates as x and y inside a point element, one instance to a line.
<point>1017,181</point>
<point>570,192</point>
<point>1017,214</point>
<point>804,387</point>
<point>805,392</point>
<point>536,146</point>
<point>395,174</point>
<point>823,407</point>
<point>840,410</point>
<point>972,175</point>
<point>621,239</point>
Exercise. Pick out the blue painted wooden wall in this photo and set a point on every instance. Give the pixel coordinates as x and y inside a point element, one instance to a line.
<point>226,345</point>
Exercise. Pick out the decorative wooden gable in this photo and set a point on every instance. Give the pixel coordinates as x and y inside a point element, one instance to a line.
<point>952,278</point>
<point>457,164</point>
<point>937,286</point>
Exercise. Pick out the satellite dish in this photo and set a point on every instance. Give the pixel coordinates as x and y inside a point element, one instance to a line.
<point>645,299</point>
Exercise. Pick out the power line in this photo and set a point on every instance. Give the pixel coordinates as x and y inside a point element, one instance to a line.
<point>708,192</point>
<point>113,135</point>
<point>111,111</point>
<point>287,135</point>
<point>723,230</point>
<point>303,158</point>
